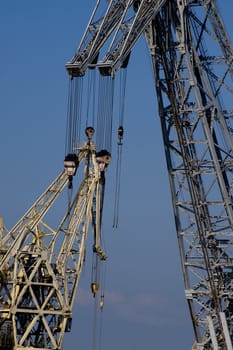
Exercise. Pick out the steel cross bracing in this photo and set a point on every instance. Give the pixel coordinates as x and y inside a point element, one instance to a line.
<point>192,87</point>
<point>40,266</point>
<point>192,60</point>
<point>97,32</point>
<point>125,20</point>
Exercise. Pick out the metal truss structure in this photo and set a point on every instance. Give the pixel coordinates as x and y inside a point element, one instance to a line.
<point>41,266</point>
<point>192,64</point>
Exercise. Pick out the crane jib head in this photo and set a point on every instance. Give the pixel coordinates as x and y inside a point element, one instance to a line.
<point>71,163</point>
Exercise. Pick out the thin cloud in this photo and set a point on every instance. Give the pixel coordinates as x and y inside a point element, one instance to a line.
<point>144,308</point>
<point>141,308</point>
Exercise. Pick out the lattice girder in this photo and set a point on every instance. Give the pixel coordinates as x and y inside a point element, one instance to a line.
<point>199,151</point>
<point>41,269</point>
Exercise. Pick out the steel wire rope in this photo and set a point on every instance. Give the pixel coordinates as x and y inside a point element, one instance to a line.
<point>73,124</point>
<point>117,186</point>
<point>98,274</point>
<point>91,99</point>
<point>101,307</point>
<point>94,326</point>
<point>68,119</point>
<point>99,131</point>
<point>103,141</point>
<point>73,116</point>
<point>68,137</point>
<point>109,115</point>
<point>105,113</point>
<point>104,107</point>
<point>101,273</point>
<point>123,75</point>
<point>74,113</point>
<point>94,286</point>
<point>77,112</point>
<point>101,303</point>
<point>97,325</point>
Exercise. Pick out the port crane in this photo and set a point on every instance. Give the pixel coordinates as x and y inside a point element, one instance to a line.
<point>192,66</point>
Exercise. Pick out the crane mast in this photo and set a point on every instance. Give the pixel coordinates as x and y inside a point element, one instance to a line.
<point>190,86</point>
<point>192,57</point>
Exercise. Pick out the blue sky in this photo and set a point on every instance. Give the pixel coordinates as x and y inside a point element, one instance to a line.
<point>144,298</point>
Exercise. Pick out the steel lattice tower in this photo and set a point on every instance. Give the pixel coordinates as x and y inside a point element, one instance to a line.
<point>194,87</point>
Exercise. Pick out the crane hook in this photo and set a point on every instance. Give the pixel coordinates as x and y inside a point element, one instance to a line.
<point>120,134</point>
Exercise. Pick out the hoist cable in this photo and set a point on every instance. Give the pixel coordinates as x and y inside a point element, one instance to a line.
<point>98,286</point>
<point>109,111</point>
<point>74,113</point>
<point>97,280</point>
<point>93,268</point>
<point>73,110</point>
<point>99,130</point>
<point>105,113</point>
<point>98,312</point>
<point>69,199</point>
<point>78,111</point>
<point>117,187</point>
<point>102,296</point>
<point>100,330</point>
<point>94,99</point>
<point>68,121</point>
<point>123,75</point>
<point>91,97</point>
<point>94,327</point>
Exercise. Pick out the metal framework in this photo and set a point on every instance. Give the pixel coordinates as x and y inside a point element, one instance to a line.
<point>192,61</point>
<point>41,266</point>
<point>191,85</point>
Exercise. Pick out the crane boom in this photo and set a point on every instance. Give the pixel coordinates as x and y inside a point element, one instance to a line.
<point>12,241</point>
<point>97,32</point>
<point>129,19</point>
<point>41,266</point>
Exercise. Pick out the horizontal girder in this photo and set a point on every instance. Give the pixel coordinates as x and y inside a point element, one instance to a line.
<point>126,21</point>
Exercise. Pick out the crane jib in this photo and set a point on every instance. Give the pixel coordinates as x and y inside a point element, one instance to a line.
<point>126,21</point>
